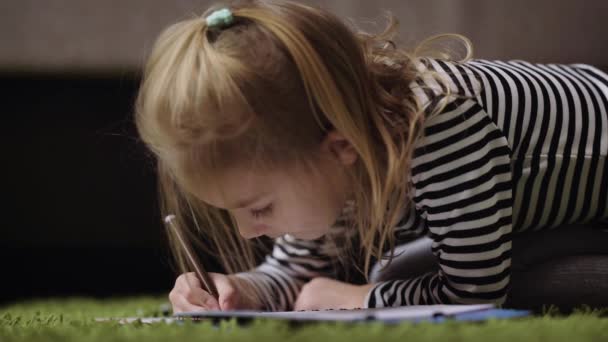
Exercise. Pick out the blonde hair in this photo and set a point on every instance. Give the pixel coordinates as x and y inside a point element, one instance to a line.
<point>263,92</point>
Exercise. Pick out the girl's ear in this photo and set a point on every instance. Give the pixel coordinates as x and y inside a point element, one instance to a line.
<point>336,144</point>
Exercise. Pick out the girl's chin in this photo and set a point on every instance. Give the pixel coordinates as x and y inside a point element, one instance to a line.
<point>308,235</point>
<point>311,234</point>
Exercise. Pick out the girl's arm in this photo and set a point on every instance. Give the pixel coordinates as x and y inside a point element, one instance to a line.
<point>463,182</point>
<point>292,263</point>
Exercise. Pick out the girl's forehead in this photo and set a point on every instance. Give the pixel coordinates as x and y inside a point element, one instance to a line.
<point>231,189</point>
<point>240,188</point>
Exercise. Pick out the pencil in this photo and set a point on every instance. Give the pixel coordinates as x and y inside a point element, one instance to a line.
<point>195,264</point>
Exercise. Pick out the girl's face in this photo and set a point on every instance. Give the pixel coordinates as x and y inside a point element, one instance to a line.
<point>299,203</point>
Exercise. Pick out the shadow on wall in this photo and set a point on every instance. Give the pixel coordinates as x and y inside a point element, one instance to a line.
<point>82,217</point>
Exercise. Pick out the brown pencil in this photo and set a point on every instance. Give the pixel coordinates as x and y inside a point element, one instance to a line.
<point>195,264</point>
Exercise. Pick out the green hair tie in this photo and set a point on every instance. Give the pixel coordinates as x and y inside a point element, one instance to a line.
<point>222,17</point>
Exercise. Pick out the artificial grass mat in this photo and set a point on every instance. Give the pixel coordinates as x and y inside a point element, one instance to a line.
<point>73,320</point>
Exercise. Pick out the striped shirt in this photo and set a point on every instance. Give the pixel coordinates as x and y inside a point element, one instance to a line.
<point>524,149</point>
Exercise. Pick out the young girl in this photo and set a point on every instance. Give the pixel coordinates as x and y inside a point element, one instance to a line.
<point>277,119</point>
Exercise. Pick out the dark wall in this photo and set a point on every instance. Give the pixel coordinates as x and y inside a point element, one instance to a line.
<point>81,215</point>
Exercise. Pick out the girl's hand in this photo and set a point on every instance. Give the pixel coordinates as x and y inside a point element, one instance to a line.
<point>325,293</point>
<point>188,295</point>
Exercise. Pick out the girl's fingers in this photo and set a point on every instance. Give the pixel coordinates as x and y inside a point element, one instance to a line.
<point>190,280</point>
<point>202,298</point>
<point>182,305</point>
<point>227,292</point>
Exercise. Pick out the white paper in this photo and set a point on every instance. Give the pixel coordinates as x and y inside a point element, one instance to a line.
<point>391,314</point>
<point>415,312</point>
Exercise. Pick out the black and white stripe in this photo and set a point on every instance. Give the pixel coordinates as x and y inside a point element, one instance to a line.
<point>525,149</point>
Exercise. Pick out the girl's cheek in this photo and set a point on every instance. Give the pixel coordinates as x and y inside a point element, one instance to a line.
<point>242,220</point>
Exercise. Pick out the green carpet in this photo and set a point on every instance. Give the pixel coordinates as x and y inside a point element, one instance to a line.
<point>73,320</point>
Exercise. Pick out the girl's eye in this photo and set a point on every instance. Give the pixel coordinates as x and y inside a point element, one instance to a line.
<point>262,212</point>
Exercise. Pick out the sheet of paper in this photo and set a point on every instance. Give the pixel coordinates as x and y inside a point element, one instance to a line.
<point>427,311</point>
<point>382,314</point>
<point>392,314</point>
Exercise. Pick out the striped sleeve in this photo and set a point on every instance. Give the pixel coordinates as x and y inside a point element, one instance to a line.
<point>294,262</point>
<point>462,178</point>
<point>291,264</point>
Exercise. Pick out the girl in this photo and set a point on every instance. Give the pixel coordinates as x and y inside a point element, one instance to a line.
<point>275,119</point>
